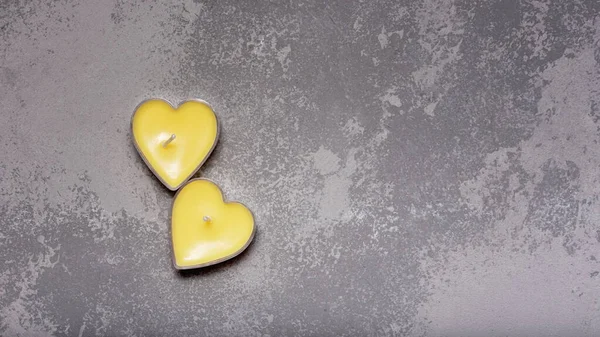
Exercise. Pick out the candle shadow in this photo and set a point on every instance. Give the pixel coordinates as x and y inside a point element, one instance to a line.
<point>217,268</point>
<point>208,163</point>
<point>139,162</point>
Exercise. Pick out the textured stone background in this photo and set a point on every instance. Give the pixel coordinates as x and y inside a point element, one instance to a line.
<point>423,168</point>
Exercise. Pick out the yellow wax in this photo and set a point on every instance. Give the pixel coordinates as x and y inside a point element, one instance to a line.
<point>206,230</point>
<point>174,142</point>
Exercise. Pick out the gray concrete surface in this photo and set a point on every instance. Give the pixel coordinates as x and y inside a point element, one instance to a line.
<point>418,168</point>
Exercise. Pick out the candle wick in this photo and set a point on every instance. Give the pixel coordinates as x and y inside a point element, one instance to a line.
<point>206,218</point>
<point>168,141</point>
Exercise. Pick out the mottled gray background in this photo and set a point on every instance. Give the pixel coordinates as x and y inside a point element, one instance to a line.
<point>421,168</point>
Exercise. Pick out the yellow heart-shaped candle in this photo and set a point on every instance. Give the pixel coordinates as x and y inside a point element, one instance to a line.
<point>174,143</point>
<point>205,229</point>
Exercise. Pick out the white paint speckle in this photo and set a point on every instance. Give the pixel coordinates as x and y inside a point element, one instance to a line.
<point>383,38</point>
<point>430,109</point>
<point>391,98</point>
<point>325,161</point>
<point>335,201</point>
<point>282,56</point>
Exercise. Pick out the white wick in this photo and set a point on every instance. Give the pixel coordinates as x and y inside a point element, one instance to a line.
<point>168,141</point>
<point>206,218</point>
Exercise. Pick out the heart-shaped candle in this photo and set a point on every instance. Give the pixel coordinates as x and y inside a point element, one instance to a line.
<point>174,143</point>
<point>205,229</point>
